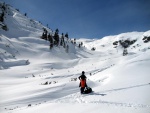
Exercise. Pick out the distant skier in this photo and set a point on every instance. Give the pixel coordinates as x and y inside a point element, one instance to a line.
<point>82,84</point>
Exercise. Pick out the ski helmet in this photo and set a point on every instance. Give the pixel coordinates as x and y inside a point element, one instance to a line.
<point>83,72</point>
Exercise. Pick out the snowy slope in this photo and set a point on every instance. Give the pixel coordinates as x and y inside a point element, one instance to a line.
<point>20,25</point>
<point>37,79</point>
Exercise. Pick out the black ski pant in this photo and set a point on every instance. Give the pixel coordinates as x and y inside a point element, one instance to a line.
<point>82,89</point>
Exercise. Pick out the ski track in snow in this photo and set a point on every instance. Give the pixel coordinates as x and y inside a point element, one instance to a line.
<point>77,98</point>
<point>83,98</point>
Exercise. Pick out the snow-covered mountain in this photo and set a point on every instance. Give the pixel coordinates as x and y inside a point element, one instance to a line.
<point>35,78</point>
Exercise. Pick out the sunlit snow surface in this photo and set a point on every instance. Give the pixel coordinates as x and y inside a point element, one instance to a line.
<point>120,83</point>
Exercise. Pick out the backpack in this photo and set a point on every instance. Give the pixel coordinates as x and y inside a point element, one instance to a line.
<point>87,90</point>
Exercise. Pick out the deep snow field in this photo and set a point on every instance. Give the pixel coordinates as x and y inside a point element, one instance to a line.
<point>121,84</point>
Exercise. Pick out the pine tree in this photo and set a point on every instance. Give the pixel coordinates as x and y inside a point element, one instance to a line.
<point>25,14</point>
<point>62,40</point>
<point>57,31</point>
<point>64,45</point>
<point>125,52</point>
<point>79,45</point>
<point>66,35</point>
<point>2,17</point>
<point>44,36</point>
<point>56,37</point>
<point>67,48</point>
<point>3,6</point>
<point>74,41</point>
<point>50,38</point>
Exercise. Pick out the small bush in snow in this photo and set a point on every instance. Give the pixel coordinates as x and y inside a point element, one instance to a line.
<point>46,83</point>
<point>73,79</point>
<point>29,105</point>
<point>27,62</point>
<point>5,28</point>
<point>115,43</point>
<point>146,39</point>
<point>33,75</point>
<point>93,49</point>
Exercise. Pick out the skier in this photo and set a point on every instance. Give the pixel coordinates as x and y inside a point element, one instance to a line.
<point>82,84</point>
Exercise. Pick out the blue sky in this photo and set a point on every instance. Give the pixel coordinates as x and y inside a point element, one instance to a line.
<point>88,18</point>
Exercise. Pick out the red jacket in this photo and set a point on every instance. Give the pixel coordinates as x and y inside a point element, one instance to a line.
<point>83,83</point>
